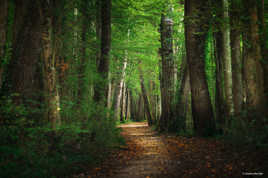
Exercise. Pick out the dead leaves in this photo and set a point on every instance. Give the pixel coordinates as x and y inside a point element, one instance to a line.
<point>147,152</point>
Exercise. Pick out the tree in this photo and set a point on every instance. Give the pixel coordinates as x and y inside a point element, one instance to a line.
<point>253,71</point>
<point>101,88</point>
<point>219,94</point>
<point>3,35</point>
<point>226,57</point>
<point>24,69</point>
<point>236,56</point>
<point>49,58</point>
<point>197,16</point>
<point>167,73</point>
<point>262,16</point>
<point>119,92</point>
<point>145,98</point>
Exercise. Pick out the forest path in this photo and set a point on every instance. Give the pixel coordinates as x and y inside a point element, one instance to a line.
<point>151,155</point>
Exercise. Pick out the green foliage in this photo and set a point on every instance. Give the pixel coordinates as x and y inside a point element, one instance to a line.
<point>42,152</point>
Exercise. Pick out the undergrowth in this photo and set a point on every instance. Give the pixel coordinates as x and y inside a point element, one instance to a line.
<point>42,152</point>
<point>252,133</point>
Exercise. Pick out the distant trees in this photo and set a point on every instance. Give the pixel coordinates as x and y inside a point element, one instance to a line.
<point>59,60</point>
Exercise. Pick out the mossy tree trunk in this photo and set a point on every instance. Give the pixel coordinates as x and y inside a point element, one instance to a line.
<point>197,16</point>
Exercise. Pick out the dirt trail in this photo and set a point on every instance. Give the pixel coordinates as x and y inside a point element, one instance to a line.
<point>150,155</point>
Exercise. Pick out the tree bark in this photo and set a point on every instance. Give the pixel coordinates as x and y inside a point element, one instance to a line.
<point>145,99</point>
<point>219,94</point>
<point>167,77</point>
<point>118,92</point>
<point>253,70</point>
<point>83,62</point>
<point>24,74</point>
<point>101,87</point>
<point>264,37</point>
<point>98,31</point>
<point>126,103</point>
<point>197,18</point>
<point>236,57</point>
<point>3,35</point>
<point>184,92</point>
<point>122,107</point>
<point>49,60</point>
<point>226,57</point>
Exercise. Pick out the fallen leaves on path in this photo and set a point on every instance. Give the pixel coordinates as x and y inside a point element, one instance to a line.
<point>148,155</point>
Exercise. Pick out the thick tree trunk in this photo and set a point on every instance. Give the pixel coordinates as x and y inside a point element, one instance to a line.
<point>185,91</point>
<point>197,18</point>
<point>145,99</point>
<point>24,74</point>
<point>264,37</point>
<point>252,63</point>
<point>3,35</point>
<point>236,57</point>
<point>49,60</point>
<point>101,87</point>
<point>167,77</point>
<point>226,57</point>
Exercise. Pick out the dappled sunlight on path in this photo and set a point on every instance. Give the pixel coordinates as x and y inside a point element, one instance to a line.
<point>148,154</point>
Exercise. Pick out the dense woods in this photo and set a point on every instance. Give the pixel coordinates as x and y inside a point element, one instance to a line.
<point>71,71</point>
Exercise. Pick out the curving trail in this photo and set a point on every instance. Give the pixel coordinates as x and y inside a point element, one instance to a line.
<point>150,155</point>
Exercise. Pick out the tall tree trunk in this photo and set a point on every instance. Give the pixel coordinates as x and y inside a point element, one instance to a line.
<point>253,70</point>
<point>167,77</point>
<point>3,35</point>
<point>145,99</point>
<point>226,57</point>
<point>236,56</point>
<point>101,88</point>
<point>98,31</point>
<point>264,38</point>
<point>133,112</point>
<point>219,94</point>
<point>83,62</point>
<point>49,61</point>
<point>122,107</point>
<point>24,74</point>
<point>197,18</point>
<point>184,94</point>
<point>127,104</point>
<point>118,92</point>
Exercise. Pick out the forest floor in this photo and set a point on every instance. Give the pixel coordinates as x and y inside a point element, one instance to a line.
<point>148,154</point>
